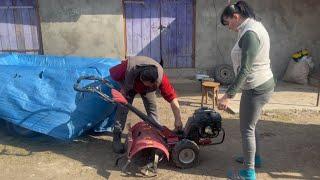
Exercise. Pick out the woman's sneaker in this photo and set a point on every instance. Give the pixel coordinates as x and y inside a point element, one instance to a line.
<point>243,174</point>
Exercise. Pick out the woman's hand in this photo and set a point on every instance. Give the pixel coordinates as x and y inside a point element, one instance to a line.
<point>223,102</point>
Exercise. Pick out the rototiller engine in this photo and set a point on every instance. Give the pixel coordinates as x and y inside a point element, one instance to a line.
<point>182,146</point>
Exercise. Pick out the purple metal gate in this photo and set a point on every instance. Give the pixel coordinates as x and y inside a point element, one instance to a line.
<point>19,27</point>
<point>161,29</point>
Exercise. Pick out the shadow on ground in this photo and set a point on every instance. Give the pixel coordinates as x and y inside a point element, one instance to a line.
<point>88,150</point>
<point>289,150</point>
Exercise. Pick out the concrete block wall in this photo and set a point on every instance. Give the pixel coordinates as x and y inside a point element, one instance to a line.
<point>95,28</point>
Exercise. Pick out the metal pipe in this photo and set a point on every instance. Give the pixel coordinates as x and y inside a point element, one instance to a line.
<point>19,50</point>
<point>17,7</point>
<point>135,2</point>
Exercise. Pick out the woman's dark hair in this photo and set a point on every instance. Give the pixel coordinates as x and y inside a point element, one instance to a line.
<point>149,73</point>
<point>241,7</point>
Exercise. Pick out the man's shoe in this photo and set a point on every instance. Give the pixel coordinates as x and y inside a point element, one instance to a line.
<point>117,146</point>
<point>257,161</point>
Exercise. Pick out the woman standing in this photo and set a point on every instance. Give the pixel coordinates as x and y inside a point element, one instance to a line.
<point>250,58</point>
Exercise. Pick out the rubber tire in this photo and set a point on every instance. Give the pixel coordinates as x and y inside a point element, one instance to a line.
<point>20,131</point>
<point>181,145</point>
<point>224,74</point>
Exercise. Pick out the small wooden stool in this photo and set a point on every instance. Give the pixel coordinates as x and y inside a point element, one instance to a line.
<point>210,86</point>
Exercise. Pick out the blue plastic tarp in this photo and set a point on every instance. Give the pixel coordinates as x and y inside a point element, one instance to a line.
<point>36,92</point>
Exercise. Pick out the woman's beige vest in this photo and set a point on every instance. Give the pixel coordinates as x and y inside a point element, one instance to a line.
<point>261,70</point>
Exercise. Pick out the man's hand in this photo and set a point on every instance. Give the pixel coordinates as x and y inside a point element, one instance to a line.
<point>223,102</point>
<point>122,91</point>
<point>178,124</point>
<point>176,112</point>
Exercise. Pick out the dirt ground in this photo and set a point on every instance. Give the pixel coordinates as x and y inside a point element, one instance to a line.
<point>289,131</point>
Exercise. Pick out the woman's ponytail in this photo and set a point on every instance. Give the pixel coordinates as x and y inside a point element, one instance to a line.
<point>241,7</point>
<point>245,10</point>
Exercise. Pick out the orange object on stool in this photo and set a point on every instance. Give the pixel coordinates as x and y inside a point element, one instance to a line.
<point>210,86</point>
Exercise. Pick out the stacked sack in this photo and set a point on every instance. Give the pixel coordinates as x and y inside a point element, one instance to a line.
<point>299,67</point>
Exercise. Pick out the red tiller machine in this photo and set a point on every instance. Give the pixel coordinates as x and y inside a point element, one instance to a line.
<point>158,141</point>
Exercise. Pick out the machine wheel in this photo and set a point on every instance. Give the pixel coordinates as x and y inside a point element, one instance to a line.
<point>185,154</point>
<point>20,131</point>
<point>224,74</point>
